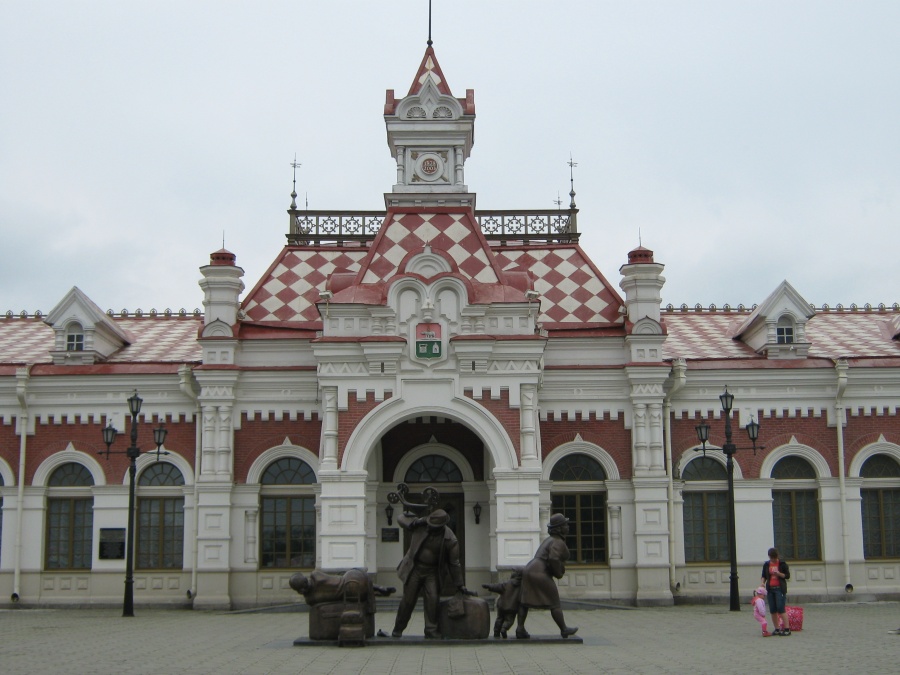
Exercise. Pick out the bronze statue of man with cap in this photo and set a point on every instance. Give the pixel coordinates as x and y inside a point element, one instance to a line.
<point>430,565</point>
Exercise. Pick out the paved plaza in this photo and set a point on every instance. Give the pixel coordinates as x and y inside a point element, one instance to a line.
<point>837,638</point>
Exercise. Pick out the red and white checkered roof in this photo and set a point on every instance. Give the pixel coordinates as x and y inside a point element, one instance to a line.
<point>289,290</point>
<point>573,292</point>
<point>156,340</point>
<point>832,335</point>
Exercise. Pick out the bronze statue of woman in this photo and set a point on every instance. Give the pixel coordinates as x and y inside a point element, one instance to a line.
<point>539,588</point>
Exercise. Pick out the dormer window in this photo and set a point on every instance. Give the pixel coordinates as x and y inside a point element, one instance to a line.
<point>777,327</point>
<point>784,331</point>
<point>74,337</point>
<point>83,333</point>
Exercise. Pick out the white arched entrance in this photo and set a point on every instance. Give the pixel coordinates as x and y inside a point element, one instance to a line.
<point>509,520</point>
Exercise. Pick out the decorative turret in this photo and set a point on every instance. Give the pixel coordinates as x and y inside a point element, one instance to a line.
<point>222,288</point>
<point>642,282</point>
<point>430,134</point>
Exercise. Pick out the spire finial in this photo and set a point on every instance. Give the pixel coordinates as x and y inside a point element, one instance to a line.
<point>429,23</point>
<point>572,164</point>
<point>294,164</point>
<point>640,243</point>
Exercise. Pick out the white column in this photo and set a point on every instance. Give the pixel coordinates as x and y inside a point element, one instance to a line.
<point>208,444</point>
<point>518,515</point>
<point>655,440</point>
<point>639,433</point>
<point>225,441</point>
<point>329,429</point>
<point>250,520</point>
<point>615,531</point>
<point>342,536</point>
<point>527,423</point>
<point>401,164</point>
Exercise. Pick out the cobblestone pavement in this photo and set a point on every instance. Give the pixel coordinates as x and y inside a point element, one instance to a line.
<point>837,638</point>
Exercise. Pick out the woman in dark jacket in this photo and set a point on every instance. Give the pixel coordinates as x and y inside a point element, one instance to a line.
<point>775,574</point>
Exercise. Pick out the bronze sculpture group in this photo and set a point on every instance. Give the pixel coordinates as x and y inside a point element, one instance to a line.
<point>342,607</point>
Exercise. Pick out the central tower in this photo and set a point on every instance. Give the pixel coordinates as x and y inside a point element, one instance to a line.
<point>430,134</point>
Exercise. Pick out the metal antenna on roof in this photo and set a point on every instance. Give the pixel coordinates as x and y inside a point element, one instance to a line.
<point>306,200</point>
<point>640,243</point>
<point>572,166</point>
<point>429,23</point>
<point>294,164</point>
<point>223,238</point>
<point>557,201</point>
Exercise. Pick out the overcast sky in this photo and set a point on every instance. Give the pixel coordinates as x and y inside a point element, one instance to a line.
<point>747,142</point>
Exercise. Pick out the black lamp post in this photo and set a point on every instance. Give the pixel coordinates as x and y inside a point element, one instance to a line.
<point>729,449</point>
<point>133,452</point>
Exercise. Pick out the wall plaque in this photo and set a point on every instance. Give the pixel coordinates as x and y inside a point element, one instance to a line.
<point>112,543</point>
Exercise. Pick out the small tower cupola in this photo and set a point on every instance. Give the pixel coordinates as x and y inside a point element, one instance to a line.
<point>430,134</point>
<point>642,282</point>
<point>222,288</point>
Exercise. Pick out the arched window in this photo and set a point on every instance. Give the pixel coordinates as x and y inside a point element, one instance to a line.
<point>160,517</point>
<point>579,493</point>
<point>288,515</point>
<point>70,518</point>
<point>880,507</point>
<point>577,467</point>
<point>705,511</point>
<point>433,469</point>
<point>74,337</point>
<point>795,509</point>
<point>784,333</point>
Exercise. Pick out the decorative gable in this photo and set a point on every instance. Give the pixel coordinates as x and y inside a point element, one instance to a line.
<point>83,334</point>
<point>777,327</point>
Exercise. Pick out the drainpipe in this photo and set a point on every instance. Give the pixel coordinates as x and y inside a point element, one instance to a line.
<point>22,377</point>
<point>184,382</point>
<point>679,371</point>
<point>842,369</point>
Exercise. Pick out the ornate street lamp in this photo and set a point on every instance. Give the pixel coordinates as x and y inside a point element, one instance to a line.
<point>729,448</point>
<point>133,452</point>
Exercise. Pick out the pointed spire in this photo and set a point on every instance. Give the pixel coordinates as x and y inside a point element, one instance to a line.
<point>429,24</point>
<point>429,69</point>
<point>572,164</point>
<point>294,164</point>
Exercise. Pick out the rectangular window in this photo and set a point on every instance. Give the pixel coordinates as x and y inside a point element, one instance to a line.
<point>70,529</point>
<point>160,533</point>
<point>587,527</point>
<point>795,515</point>
<point>881,523</point>
<point>75,342</point>
<point>705,526</point>
<point>784,336</point>
<point>288,532</point>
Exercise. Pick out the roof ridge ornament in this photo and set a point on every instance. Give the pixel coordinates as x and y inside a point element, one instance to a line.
<point>294,165</point>
<point>572,164</point>
<point>429,24</point>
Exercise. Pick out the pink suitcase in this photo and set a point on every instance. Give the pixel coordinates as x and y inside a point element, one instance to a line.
<point>795,618</point>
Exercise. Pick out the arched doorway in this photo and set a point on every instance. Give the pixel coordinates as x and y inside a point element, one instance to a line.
<point>437,452</point>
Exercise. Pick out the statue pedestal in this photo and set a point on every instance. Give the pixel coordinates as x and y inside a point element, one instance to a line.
<point>473,624</point>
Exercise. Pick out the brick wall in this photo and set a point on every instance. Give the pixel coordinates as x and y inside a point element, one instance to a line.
<point>258,435</point>
<point>611,435</point>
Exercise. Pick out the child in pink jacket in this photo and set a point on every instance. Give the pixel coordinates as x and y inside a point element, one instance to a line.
<point>759,609</point>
